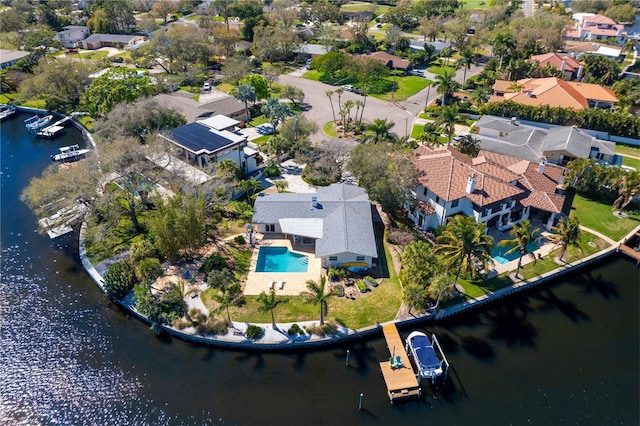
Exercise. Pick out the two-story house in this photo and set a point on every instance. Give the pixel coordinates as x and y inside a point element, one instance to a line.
<point>592,27</point>
<point>206,142</point>
<point>495,189</point>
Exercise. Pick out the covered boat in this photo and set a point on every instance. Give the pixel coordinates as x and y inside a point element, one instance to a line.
<point>69,153</point>
<point>425,358</point>
<point>36,122</point>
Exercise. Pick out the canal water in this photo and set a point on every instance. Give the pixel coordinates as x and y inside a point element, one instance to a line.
<point>566,354</point>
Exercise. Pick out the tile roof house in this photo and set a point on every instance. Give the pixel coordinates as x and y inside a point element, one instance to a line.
<point>558,144</point>
<point>554,92</point>
<point>206,142</point>
<point>595,27</point>
<point>497,190</point>
<point>391,61</point>
<point>337,220</point>
<point>571,67</point>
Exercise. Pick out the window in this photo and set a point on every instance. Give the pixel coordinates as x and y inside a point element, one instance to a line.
<point>437,200</point>
<point>333,258</point>
<point>360,259</point>
<point>454,204</point>
<point>270,227</point>
<point>425,191</point>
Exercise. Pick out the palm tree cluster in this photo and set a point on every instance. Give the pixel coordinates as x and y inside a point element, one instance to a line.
<point>464,246</point>
<point>523,235</point>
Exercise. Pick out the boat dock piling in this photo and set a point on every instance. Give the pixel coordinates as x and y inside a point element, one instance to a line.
<point>400,378</point>
<point>436,344</point>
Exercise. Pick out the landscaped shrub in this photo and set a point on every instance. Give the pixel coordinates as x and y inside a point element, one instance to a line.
<point>148,270</point>
<point>119,279</point>
<point>213,326</point>
<point>361,286</point>
<point>323,330</point>
<point>213,262</point>
<point>141,250</point>
<point>337,274</point>
<point>239,239</point>
<point>295,330</point>
<point>371,281</point>
<point>272,169</point>
<point>320,174</point>
<point>338,290</point>
<point>254,332</point>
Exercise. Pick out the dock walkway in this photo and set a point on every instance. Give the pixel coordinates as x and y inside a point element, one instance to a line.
<point>401,381</point>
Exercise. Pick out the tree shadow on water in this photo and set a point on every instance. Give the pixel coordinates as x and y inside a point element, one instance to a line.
<point>567,307</point>
<point>510,324</point>
<point>477,348</point>
<point>591,283</point>
<point>255,358</point>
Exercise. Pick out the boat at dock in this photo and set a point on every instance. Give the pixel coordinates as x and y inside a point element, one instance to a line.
<point>423,351</point>
<point>7,111</point>
<point>36,122</point>
<point>69,153</point>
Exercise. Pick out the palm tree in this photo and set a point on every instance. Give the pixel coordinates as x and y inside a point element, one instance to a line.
<point>464,243</point>
<point>469,145</point>
<point>339,91</point>
<point>503,43</point>
<point>446,53</point>
<point>467,58</point>
<point>380,128</point>
<point>567,233</point>
<point>628,187</point>
<point>347,108</point>
<point>281,184</point>
<point>5,83</point>
<point>446,85</point>
<point>440,288</point>
<point>317,296</point>
<point>329,93</point>
<point>479,96</point>
<point>250,186</point>
<point>522,235</point>
<point>225,300</point>
<point>447,120</point>
<point>268,303</point>
<point>245,93</point>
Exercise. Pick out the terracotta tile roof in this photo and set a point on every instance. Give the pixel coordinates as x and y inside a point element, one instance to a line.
<point>385,58</point>
<point>552,91</point>
<point>445,175</point>
<point>598,20</point>
<point>556,60</point>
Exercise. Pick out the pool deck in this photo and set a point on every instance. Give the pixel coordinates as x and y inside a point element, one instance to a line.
<point>294,282</point>
<point>545,248</point>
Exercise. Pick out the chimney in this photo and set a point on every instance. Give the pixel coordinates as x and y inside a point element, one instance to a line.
<point>471,184</point>
<point>314,201</point>
<point>580,72</point>
<point>541,164</point>
<point>564,64</point>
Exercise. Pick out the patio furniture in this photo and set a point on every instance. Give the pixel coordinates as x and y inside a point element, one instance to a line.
<point>280,283</point>
<point>270,284</point>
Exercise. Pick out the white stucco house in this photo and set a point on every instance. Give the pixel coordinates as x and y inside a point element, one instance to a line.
<point>208,141</point>
<point>336,221</point>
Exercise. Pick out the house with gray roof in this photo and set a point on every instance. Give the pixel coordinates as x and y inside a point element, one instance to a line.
<point>9,58</point>
<point>121,41</point>
<point>337,220</point>
<point>556,144</point>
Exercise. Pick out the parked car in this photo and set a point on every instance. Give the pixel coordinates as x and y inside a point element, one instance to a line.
<point>206,87</point>
<point>117,60</point>
<point>358,91</point>
<point>347,87</point>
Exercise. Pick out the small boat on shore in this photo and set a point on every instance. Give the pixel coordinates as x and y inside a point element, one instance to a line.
<point>428,364</point>
<point>69,153</point>
<point>7,111</point>
<point>36,122</point>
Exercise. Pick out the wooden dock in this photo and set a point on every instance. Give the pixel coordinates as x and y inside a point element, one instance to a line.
<point>401,381</point>
<point>632,253</point>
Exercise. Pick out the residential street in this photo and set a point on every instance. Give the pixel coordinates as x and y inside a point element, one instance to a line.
<point>401,113</point>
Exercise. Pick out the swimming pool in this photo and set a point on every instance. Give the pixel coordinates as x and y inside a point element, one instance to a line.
<point>280,259</point>
<point>499,256</point>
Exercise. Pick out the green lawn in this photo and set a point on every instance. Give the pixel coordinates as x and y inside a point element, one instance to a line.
<point>262,140</point>
<point>628,150</point>
<point>407,87</point>
<point>93,55</point>
<point>360,7</point>
<point>631,162</point>
<point>312,75</point>
<point>440,69</point>
<point>260,119</point>
<point>417,130</point>
<point>330,129</point>
<point>225,87</point>
<point>597,216</point>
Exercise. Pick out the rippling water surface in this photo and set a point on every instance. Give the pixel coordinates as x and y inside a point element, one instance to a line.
<point>567,354</point>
